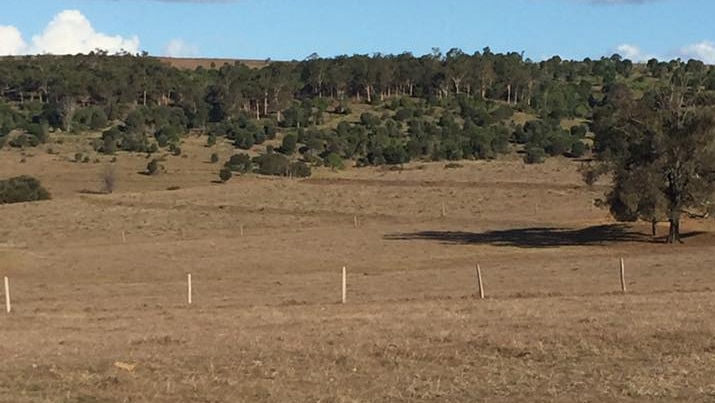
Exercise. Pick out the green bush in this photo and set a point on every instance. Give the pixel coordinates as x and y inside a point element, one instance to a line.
<point>558,143</point>
<point>272,164</point>
<point>579,131</point>
<point>211,141</point>
<point>37,130</point>
<point>98,120</point>
<point>395,154</point>
<point>334,161</point>
<point>404,114</point>
<point>22,189</point>
<point>239,163</point>
<point>578,149</point>
<point>24,140</point>
<point>290,142</point>
<point>269,129</point>
<point>225,174</point>
<point>299,169</point>
<point>534,155</point>
<point>214,158</point>
<point>243,139</point>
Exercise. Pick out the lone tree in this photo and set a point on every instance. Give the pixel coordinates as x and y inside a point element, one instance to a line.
<point>660,150</point>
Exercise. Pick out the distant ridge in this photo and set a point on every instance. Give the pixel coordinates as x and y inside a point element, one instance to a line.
<point>193,63</point>
<point>177,62</point>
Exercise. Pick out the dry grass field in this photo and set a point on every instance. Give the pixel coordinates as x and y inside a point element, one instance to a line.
<point>98,319</point>
<point>193,63</point>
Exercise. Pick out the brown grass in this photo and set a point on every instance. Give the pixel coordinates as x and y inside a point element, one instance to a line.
<point>266,325</point>
<point>207,63</point>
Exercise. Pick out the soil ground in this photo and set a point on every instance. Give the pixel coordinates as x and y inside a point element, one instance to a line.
<point>100,319</point>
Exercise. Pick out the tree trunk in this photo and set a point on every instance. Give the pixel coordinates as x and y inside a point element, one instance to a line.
<point>265,103</point>
<point>508,94</point>
<point>369,94</point>
<point>674,231</point>
<point>457,85</point>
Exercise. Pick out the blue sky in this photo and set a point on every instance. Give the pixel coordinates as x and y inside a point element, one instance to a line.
<point>293,29</point>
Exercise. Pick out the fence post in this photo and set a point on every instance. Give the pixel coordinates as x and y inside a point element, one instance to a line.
<point>479,282</point>
<point>8,307</point>
<point>623,276</point>
<point>188,279</point>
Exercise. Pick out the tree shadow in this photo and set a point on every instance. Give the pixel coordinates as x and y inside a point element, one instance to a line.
<point>548,237</point>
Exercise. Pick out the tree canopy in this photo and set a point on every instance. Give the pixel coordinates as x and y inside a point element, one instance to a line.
<point>661,151</point>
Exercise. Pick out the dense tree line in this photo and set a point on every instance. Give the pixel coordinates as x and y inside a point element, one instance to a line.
<point>436,106</point>
<point>650,125</point>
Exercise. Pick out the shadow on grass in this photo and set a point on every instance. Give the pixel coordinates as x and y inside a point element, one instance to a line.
<point>537,237</point>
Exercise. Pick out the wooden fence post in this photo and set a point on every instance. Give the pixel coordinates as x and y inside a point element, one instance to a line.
<point>8,307</point>
<point>479,282</point>
<point>623,276</point>
<point>188,279</point>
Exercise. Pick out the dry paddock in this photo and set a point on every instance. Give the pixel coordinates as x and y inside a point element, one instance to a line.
<point>98,287</point>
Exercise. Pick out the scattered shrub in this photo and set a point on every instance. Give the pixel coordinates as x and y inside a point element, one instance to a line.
<point>214,158</point>
<point>211,141</point>
<point>334,161</point>
<point>290,142</point>
<point>153,167</point>
<point>22,189</point>
<point>239,163</point>
<point>225,174</point>
<point>534,155</point>
<point>578,149</point>
<point>272,164</point>
<point>299,169</point>
<point>109,179</point>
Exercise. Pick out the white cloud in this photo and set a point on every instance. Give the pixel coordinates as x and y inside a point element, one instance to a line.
<point>632,52</point>
<point>179,48</point>
<point>704,51</point>
<point>11,42</point>
<point>71,32</point>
